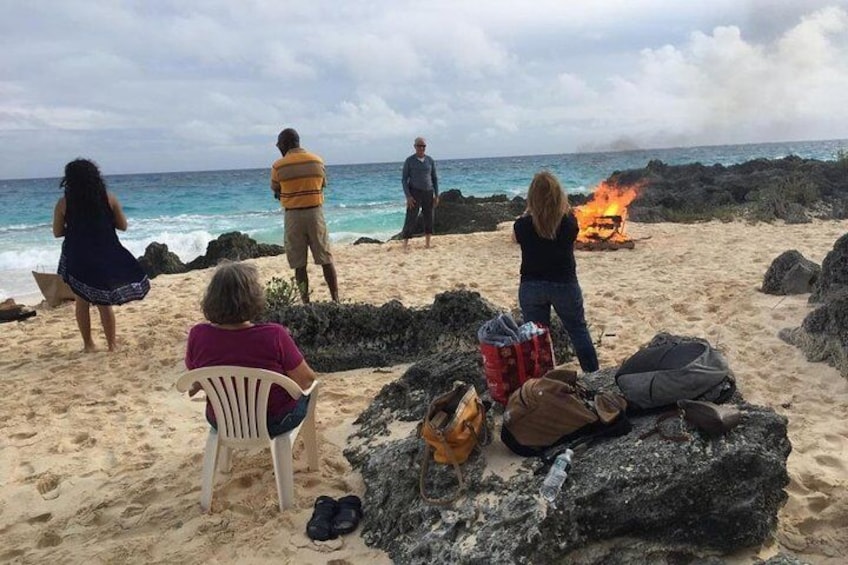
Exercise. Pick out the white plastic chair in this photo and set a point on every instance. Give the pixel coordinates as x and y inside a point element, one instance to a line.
<point>239,398</point>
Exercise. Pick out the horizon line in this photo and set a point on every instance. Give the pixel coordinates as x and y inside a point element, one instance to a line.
<point>588,152</point>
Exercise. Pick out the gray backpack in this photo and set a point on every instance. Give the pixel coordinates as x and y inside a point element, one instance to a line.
<point>673,368</point>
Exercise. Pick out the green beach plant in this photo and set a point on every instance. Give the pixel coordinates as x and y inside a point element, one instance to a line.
<point>280,293</point>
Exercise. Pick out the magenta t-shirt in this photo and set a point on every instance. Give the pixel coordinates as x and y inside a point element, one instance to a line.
<point>261,346</point>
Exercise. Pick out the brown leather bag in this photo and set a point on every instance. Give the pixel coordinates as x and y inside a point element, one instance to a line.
<point>453,426</point>
<point>543,411</point>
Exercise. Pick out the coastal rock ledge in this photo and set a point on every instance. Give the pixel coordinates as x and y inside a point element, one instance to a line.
<point>626,500</point>
<point>823,335</point>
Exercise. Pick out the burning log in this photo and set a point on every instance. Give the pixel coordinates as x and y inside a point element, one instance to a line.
<point>604,245</point>
<point>602,220</point>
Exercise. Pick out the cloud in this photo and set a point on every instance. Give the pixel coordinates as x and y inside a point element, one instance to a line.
<point>172,85</point>
<point>720,88</point>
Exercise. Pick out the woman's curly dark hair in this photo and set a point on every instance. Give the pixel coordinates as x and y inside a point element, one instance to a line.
<point>85,192</point>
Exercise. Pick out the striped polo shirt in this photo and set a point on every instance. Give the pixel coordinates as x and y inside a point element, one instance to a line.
<point>300,178</point>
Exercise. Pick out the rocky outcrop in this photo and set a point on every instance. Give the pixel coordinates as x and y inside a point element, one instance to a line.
<point>467,214</point>
<point>790,273</point>
<point>236,246</point>
<point>338,337</point>
<point>823,335</point>
<point>790,189</point>
<point>158,260</point>
<point>626,500</point>
<point>833,281</point>
<point>363,240</point>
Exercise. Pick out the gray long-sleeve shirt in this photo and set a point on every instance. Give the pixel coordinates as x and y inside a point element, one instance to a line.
<point>420,175</point>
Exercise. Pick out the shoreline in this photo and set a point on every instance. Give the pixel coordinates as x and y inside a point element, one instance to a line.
<point>104,445</point>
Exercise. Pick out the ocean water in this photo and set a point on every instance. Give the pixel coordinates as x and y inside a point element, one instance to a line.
<point>186,210</point>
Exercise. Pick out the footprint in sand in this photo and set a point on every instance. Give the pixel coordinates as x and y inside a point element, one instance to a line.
<point>245,481</point>
<point>817,502</point>
<point>25,470</point>
<point>40,519</point>
<point>11,554</point>
<point>19,437</point>
<point>48,486</point>
<point>311,482</point>
<point>132,510</point>
<point>83,440</point>
<point>829,461</point>
<point>49,539</point>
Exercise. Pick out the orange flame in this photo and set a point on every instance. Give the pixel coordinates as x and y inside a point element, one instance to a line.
<point>604,218</point>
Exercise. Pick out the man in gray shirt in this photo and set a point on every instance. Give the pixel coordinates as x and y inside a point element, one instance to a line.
<point>421,187</point>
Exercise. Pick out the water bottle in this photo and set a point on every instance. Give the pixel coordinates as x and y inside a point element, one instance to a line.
<point>556,477</point>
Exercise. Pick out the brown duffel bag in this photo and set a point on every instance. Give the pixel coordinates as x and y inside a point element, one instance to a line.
<point>554,409</point>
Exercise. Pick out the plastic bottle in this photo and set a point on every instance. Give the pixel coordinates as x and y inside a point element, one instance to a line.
<point>552,484</point>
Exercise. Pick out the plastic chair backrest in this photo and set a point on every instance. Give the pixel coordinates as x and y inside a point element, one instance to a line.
<point>239,399</point>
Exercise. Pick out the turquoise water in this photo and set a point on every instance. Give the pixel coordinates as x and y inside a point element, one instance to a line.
<point>187,210</point>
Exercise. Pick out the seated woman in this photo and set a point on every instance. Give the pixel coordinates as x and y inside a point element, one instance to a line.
<point>233,299</point>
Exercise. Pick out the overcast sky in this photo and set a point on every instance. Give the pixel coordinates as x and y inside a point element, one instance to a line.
<point>156,85</point>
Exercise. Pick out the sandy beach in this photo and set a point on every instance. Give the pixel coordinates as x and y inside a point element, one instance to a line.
<point>100,456</point>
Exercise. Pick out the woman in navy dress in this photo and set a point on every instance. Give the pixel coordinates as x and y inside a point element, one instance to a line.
<point>95,265</point>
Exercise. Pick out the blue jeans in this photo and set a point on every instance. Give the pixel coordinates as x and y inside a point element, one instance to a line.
<point>291,420</point>
<point>536,299</point>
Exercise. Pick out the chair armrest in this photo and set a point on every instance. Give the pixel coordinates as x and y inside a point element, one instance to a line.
<point>185,381</point>
<point>294,389</point>
<point>312,387</point>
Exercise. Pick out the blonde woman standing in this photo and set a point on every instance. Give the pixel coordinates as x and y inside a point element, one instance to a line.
<point>546,233</point>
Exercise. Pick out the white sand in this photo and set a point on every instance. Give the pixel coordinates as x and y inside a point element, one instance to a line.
<point>100,456</point>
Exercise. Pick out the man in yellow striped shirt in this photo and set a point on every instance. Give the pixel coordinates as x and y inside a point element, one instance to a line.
<point>298,179</point>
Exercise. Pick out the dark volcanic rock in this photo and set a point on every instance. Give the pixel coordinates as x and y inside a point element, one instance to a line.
<point>651,499</point>
<point>823,336</point>
<point>468,214</point>
<point>158,260</point>
<point>833,280</point>
<point>234,246</point>
<point>362,240</point>
<point>338,337</point>
<point>790,189</point>
<point>790,273</point>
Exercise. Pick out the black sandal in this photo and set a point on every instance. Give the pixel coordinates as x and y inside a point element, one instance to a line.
<point>320,525</point>
<point>348,515</point>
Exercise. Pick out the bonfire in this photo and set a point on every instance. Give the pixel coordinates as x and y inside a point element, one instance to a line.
<point>603,220</point>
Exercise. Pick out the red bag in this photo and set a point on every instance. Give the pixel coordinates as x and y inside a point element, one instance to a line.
<point>510,366</point>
